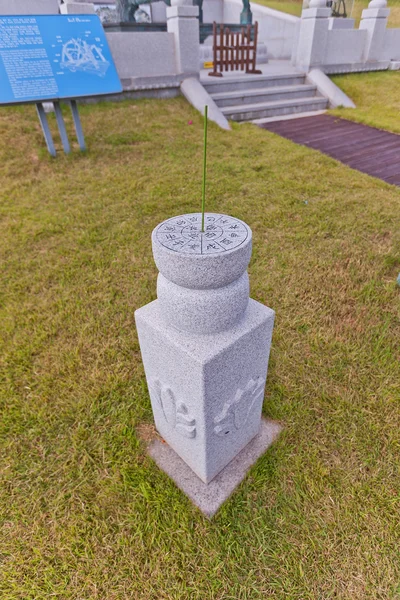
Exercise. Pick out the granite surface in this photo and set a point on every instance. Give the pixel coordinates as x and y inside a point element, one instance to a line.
<point>205,344</point>
<point>217,381</point>
<point>209,498</point>
<point>203,311</point>
<point>198,260</point>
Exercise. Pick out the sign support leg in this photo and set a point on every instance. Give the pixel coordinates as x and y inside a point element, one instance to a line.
<point>61,128</point>
<point>78,125</point>
<point>46,129</point>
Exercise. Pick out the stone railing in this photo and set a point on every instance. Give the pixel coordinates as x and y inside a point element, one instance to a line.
<point>334,47</point>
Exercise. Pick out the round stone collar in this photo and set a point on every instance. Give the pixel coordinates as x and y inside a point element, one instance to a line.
<point>183,234</point>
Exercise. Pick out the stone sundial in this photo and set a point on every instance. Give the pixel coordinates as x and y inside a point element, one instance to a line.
<point>205,348</point>
<point>183,234</point>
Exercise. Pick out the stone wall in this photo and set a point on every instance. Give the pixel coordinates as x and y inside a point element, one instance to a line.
<point>314,41</point>
<point>391,50</point>
<point>344,46</point>
<point>276,29</point>
<point>213,10</point>
<point>142,54</point>
<point>29,7</point>
<point>322,44</point>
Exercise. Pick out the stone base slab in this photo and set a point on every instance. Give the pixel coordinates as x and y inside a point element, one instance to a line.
<point>209,497</point>
<point>379,65</point>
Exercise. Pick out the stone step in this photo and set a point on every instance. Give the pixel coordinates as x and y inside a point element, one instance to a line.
<point>249,112</point>
<point>229,83</point>
<point>311,113</point>
<point>269,94</point>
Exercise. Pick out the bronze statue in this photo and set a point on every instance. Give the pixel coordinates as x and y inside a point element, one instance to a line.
<point>126,8</point>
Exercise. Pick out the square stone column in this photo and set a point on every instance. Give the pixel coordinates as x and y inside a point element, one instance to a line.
<point>313,36</point>
<point>183,22</point>
<point>374,21</point>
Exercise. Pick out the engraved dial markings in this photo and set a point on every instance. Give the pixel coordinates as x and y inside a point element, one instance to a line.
<point>183,234</point>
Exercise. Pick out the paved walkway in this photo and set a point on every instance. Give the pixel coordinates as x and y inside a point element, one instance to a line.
<point>364,148</point>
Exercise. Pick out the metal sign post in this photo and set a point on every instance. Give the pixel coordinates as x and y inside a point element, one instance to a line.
<point>78,126</point>
<point>46,129</point>
<point>61,128</point>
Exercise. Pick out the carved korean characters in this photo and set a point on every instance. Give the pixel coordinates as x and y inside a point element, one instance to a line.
<point>175,413</point>
<point>183,234</point>
<point>237,410</point>
<point>232,417</point>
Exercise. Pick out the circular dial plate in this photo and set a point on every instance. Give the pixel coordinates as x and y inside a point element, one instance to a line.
<point>183,234</point>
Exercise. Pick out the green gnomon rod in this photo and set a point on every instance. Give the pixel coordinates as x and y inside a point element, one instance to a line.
<point>203,197</point>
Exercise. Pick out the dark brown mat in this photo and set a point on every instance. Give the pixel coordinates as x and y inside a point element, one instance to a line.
<point>364,148</point>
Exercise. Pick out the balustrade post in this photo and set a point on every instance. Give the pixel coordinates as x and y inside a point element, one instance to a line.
<point>374,21</point>
<point>313,36</point>
<point>183,22</point>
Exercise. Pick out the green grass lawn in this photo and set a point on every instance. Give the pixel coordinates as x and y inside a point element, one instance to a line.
<point>293,7</point>
<point>376,96</point>
<point>84,513</point>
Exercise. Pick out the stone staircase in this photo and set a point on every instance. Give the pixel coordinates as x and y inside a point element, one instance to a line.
<point>251,97</point>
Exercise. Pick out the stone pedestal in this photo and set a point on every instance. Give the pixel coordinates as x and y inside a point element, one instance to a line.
<point>183,22</point>
<point>205,345</point>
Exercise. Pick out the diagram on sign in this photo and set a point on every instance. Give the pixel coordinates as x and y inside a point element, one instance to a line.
<point>78,55</point>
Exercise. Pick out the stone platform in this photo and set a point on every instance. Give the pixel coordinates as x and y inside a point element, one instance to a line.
<point>209,497</point>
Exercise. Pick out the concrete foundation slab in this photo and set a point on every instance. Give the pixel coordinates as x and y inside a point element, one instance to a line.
<point>209,497</point>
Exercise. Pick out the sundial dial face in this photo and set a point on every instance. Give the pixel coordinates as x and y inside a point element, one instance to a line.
<point>183,234</point>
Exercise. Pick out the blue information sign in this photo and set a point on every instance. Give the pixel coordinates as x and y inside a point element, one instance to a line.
<point>53,58</point>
